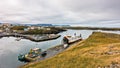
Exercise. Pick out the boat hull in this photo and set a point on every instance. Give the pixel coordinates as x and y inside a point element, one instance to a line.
<point>70,40</point>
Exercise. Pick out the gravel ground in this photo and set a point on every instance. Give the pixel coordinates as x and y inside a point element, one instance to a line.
<point>52,52</point>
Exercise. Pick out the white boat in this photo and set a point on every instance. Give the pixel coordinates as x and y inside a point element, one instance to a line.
<point>71,39</point>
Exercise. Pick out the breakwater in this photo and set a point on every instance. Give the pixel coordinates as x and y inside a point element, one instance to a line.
<point>35,38</point>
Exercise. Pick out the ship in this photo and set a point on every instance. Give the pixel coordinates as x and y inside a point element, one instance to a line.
<point>68,39</point>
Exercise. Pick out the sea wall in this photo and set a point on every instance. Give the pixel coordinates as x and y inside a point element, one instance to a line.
<point>34,38</point>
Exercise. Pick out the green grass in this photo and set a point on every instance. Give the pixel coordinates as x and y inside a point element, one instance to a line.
<point>79,55</point>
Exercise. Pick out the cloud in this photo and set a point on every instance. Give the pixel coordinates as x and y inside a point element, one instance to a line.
<point>60,11</point>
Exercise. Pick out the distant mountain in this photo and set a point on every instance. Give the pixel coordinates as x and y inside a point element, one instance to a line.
<point>38,24</point>
<point>44,25</point>
<point>61,25</point>
<point>49,25</point>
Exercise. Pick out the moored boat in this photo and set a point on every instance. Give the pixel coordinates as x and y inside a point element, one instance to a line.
<point>32,55</point>
<point>21,57</point>
<point>71,39</point>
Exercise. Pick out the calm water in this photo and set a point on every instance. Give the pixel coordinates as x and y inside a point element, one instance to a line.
<point>10,49</point>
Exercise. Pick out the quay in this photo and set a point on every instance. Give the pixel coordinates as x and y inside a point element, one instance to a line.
<point>35,38</point>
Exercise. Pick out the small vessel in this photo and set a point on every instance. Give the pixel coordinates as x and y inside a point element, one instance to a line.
<point>32,55</point>
<point>21,57</point>
<point>71,39</point>
<point>18,39</point>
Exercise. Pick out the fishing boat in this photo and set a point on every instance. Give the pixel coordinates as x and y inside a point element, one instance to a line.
<point>32,55</point>
<point>71,39</point>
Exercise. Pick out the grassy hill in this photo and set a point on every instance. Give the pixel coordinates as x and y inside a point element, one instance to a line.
<point>100,49</point>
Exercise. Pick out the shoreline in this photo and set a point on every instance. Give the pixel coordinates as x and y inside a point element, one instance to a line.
<point>93,28</point>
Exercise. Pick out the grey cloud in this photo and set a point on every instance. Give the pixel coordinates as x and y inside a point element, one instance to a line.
<point>60,11</point>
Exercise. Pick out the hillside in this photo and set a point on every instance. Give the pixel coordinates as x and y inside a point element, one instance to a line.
<point>99,50</point>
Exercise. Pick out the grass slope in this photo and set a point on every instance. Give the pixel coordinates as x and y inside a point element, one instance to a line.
<point>89,53</point>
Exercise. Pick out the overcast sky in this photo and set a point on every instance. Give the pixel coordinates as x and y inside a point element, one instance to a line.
<point>60,11</point>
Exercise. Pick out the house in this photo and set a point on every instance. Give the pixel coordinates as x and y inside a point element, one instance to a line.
<point>6,25</point>
<point>48,28</point>
<point>1,30</point>
<point>26,29</point>
<point>35,27</point>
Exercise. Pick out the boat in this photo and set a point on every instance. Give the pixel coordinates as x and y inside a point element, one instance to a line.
<point>32,55</point>
<point>18,39</point>
<point>71,39</point>
<point>21,57</point>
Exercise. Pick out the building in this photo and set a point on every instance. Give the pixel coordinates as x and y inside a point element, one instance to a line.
<point>6,25</point>
<point>34,27</point>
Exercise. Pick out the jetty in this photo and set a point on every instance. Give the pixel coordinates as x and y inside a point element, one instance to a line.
<point>35,38</point>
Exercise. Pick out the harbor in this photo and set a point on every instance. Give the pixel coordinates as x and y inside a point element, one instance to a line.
<point>59,34</point>
<point>36,54</point>
<point>11,48</point>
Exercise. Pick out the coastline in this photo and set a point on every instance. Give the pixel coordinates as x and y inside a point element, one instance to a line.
<point>93,28</point>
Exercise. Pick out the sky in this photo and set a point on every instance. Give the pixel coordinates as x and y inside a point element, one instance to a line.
<point>60,11</point>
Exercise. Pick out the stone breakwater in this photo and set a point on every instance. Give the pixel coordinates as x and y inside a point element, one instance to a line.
<point>35,38</point>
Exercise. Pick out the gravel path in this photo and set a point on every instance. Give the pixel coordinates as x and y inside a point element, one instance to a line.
<point>52,52</point>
